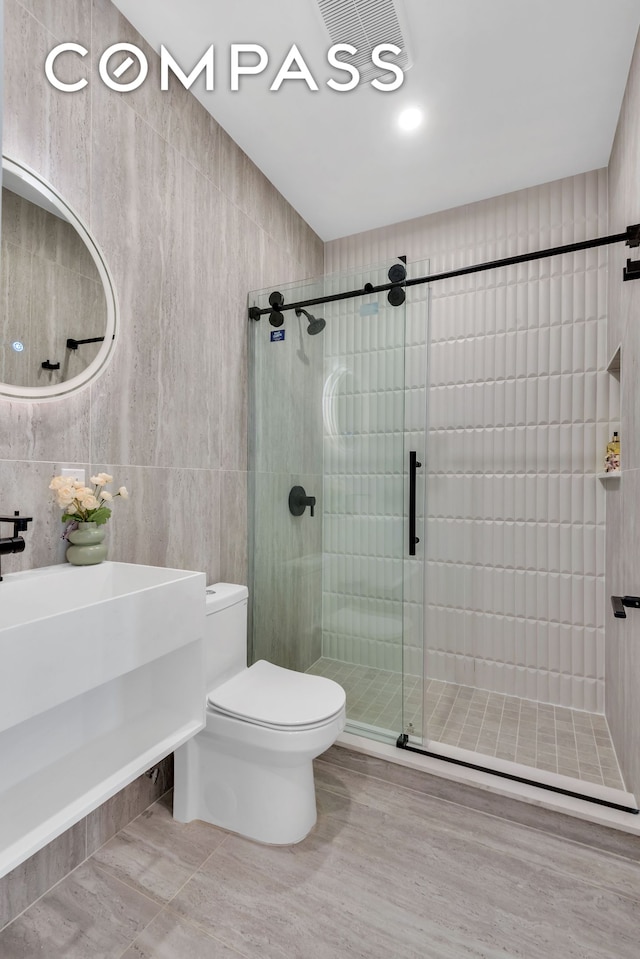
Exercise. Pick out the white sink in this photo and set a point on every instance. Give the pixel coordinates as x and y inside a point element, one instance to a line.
<point>66,629</point>
<point>101,676</point>
<point>35,593</point>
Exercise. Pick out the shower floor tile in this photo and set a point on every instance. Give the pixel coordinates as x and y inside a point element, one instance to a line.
<point>565,741</point>
<point>374,696</point>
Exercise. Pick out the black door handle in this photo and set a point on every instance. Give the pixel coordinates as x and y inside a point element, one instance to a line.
<point>413,466</point>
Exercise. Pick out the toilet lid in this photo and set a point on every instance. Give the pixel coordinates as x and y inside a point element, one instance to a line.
<point>273,696</point>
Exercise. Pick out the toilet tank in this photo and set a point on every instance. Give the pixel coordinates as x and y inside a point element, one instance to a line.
<point>225,640</point>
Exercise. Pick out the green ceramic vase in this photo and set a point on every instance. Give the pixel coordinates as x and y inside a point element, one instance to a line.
<point>87,547</point>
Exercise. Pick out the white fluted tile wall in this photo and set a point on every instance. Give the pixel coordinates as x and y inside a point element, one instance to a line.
<point>375,393</point>
<point>623,498</point>
<point>520,408</point>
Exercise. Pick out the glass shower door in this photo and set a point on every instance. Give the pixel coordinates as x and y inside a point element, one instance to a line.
<point>364,506</point>
<point>285,451</point>
<point>336,594</point>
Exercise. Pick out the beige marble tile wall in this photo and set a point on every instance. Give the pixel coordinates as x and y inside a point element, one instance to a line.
<point>623,501</point>
<point>188,225</point>
<point>1,84</point>
<point>518,419</point>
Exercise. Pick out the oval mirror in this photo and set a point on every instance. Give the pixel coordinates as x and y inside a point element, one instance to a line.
<point>58,310</point>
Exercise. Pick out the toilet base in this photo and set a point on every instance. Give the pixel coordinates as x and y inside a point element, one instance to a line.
<point>266,796</point>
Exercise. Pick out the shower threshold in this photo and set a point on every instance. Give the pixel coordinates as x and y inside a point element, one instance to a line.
<point>564,786</point>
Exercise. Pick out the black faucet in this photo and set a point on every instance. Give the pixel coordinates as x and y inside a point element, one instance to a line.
<point>15,543</point>
<point>298,501</point>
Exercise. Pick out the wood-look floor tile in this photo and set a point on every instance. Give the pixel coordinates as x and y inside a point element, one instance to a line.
<point>372,882</point>
<point>299,903</point>
<point>155,854</point>
<point>169,937</point>
<point>342,793</point>
<point>28,881</point>
<point>527,814</point>
<point>89,915</point>
<point>389,872</point>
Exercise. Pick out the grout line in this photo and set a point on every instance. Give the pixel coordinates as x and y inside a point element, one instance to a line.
<point>163,904</point>
<point>84,861</point>
<point>499,740</point>
<point>200,928</point>
<point>165,907</point>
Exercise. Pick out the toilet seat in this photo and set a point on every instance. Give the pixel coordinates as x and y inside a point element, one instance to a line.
<point>268,695</point>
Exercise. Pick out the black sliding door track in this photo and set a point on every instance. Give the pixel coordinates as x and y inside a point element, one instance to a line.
<point>631,237</point>
<point>402,742</point>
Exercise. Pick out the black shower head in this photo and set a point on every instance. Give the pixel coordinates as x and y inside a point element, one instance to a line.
<point>316,325</point>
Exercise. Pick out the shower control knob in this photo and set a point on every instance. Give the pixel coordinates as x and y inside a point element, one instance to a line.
<point>298,501</point>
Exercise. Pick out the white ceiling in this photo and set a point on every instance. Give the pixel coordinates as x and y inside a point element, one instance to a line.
<point>516,92</point>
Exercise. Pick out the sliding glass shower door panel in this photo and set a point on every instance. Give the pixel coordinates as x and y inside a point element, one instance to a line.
<point>364,529</point>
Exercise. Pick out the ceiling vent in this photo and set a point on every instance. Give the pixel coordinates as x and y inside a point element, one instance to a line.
<point>365,24</point>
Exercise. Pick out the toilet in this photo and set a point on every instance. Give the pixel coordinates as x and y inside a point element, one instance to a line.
<point>250,770</point>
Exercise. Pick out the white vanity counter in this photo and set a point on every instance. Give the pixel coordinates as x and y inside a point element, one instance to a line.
<point>100,677</point>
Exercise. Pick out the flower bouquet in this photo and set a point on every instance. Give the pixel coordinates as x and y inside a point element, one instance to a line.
<point>82,504</point>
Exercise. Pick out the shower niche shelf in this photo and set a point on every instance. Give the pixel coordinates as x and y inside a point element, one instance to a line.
<point>614,364</point>
<point>614,367</point>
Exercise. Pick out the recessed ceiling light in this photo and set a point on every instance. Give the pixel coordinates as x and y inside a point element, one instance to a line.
<point>410,119</point>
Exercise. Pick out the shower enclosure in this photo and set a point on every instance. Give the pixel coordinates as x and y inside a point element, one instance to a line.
<point>337,409</point>
<point>348,420</point>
